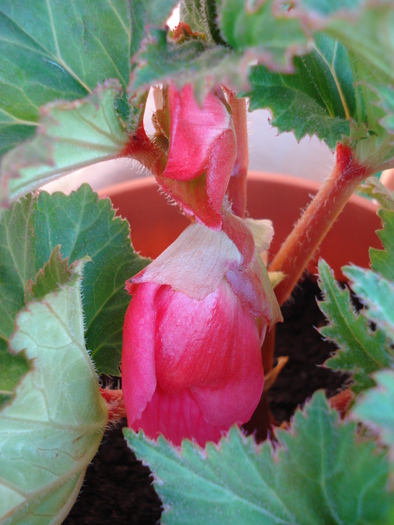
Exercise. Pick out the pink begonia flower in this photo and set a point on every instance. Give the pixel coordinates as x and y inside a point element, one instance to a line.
<point>191,360</point>
<point>201,156</point>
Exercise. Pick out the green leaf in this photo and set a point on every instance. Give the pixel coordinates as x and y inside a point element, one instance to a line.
<point>377,294</point>
<point>53,50</point>
<point>365,27</point>
<point>52,429</point>
<point>147,15</point>
<point>361,351</point>
<point>192,61</point>
<point>84,226</point>
<point>17,264</point>
<point>382,261</point>
<point>376,407</point>
<point>71,135</point>
<point>318,474</point>
<point>12,369</point>
<point>54,273</point>
<point>386,95</point>
<point>270,35</point>
<point>318,99</point>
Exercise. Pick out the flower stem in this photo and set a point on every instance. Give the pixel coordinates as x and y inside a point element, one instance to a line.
<point>302,243</point>
<point>237,185</point>
<point>142,149</point>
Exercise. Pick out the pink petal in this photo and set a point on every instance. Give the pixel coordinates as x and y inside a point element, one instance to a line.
<point>235,400</point>
<point>176,416</point>
<point>212,347</point>
<point>193,130</point>
<point>138,358</point>
<point>222,156</point>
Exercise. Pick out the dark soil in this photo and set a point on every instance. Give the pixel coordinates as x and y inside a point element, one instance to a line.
<point>117,489</point>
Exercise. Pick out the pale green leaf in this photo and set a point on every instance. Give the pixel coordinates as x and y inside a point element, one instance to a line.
<point>71,135</point>
<point>376,407</point>
<point>318,474</point>
<point>377,294</point>
<point>374,189</point>
<point>361,351</point>
<point>84,226</point>
<point>52,429</point>
<point>52,50</point>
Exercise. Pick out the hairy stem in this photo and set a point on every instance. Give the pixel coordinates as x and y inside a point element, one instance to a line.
<point>302,243</point>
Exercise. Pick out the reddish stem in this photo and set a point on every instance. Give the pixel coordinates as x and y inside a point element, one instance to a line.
<point>142,149</point>
<point>342,401</point>
<point>316,221</point>
<point>237,185</point>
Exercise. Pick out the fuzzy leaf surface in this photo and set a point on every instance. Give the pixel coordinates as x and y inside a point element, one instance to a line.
<point>53,50</point>
<point>361,351</point>
<point>71,135</point>
<point>376,407</point>
<point>146,15</point>
<point>318,474</point>
<point>273,38</point>
<point>377,294</point>
<point>201,16</point>
<point>57,411</point>
<point>84,226</point>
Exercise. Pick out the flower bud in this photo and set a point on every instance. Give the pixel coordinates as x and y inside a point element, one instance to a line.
<point>191,361</point>
<point>201,153</point>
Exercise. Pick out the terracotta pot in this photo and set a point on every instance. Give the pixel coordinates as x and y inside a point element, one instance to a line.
<point>155,224</point>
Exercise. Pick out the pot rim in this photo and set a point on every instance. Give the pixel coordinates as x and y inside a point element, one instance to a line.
<point>278,179</point>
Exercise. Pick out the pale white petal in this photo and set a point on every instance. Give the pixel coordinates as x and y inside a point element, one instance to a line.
<point>195,263</point>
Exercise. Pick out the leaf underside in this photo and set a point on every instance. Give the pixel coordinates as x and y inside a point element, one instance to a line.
<point>376,407</point>
<point>51,430</point>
